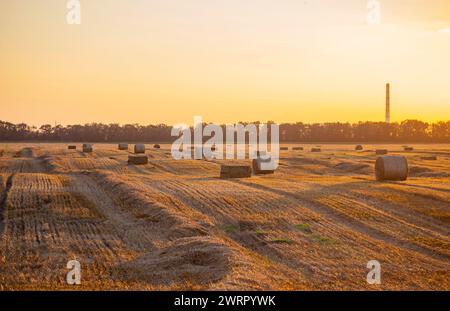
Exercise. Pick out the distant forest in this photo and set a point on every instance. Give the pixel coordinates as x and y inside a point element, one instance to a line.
<point>406,131</point>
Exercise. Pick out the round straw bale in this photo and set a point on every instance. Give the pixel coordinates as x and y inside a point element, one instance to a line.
<point>316,150</point>
<point>87,148</point>
<point>139,148</point>
<point>406,148</point>
<point>381,151</point>
<point>391,168</point>
<point>26,152</point>
<point>359,147</point>
<point>156,146</point>
<point>297,148</point>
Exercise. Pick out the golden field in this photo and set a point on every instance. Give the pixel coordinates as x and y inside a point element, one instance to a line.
<point>175,225</point>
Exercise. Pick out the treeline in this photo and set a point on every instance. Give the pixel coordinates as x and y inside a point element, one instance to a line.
<point>406,131</point>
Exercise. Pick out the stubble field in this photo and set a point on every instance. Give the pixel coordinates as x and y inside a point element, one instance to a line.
<point>175,225</point>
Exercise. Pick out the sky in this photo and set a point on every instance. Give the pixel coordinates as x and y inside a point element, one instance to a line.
<point>166,61</point>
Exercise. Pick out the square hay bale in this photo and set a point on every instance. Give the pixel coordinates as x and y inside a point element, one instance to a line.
<point>87,148</point>
<point>297,148</point>
<point>316,149</point>
<point>72,147</point>
<point>429,158</point>
<point>235,171</point>
<point>140,159</point>
<point>381,151</point>
<point>139,148</point>
<point>122,146</point>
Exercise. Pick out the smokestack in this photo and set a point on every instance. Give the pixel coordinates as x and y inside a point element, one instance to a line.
<point>388,103</point>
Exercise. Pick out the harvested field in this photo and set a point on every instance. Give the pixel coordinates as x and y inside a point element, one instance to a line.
<point>176,225</point>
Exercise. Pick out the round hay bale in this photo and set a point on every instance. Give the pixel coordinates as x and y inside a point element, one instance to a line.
<point>316,149</point>
<point>139,148</point>
<point>87,148</point>
<point>122,146</point>
<point>26,153</point>
<point>391,168</point>
<point>156,146</point>
<point>359,147</point>
<point>381,151</point>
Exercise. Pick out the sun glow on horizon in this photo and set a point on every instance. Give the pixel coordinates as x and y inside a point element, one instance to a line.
<point>167,61</point>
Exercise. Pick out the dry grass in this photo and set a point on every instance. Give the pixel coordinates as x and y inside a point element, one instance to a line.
<point>314,224</point>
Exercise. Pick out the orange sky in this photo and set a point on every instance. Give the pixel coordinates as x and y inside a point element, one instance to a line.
<point>154,61</point>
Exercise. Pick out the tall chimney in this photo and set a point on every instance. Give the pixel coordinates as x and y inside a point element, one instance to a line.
<point>388,103</point>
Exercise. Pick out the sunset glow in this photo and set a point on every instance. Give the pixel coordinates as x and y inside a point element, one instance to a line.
<point>151,61</point>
